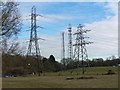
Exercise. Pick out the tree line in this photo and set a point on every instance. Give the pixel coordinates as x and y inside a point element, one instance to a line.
<point>22,65</point>
<point>19,65</point>
<point>96,62</point>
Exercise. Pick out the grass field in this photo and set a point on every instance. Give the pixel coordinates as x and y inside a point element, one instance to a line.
<point>58,80</point>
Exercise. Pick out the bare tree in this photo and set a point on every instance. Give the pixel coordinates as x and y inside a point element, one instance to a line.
<point>11,23</point>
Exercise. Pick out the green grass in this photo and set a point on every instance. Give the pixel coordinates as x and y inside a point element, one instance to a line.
<point>57,80</point>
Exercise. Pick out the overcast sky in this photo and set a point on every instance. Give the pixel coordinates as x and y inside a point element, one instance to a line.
<point>100,17</point>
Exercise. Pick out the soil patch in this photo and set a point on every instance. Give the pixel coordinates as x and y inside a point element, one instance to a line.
<point>82,77</point>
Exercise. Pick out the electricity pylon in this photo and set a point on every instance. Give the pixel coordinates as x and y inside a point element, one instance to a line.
<point>80,51</point>
<point>63,49</point>
<point>33,48</point>
<point>70,46</point>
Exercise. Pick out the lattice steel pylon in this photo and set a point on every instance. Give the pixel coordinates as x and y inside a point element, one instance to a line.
<point>70,46</point>
<point>33,48</point>
<point>80,51</point>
